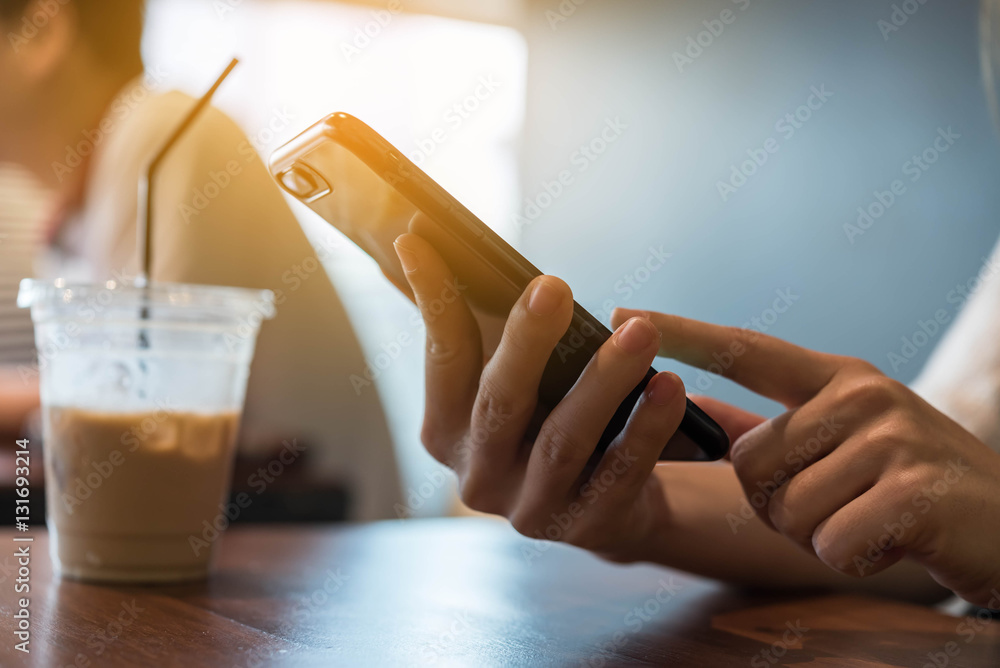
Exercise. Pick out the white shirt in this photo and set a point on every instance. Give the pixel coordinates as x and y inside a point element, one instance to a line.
<point>241,234</point>
<point>962,377</point>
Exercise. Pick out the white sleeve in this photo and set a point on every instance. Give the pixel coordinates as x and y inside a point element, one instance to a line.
<point>962,377</point>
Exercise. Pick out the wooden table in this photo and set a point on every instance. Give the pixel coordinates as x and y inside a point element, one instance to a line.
<point>465,592</point>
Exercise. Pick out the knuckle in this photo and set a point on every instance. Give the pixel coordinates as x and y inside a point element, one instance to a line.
<point>585,539</point>
<point>444,446</point>
<point>431,438</point>
<point>903,460</point>
<point>524,334</point>
<point>441,352</point>
<point>908,463</point>
<point>649,428</point>
<point>741,455</point>
<point>891,444</point>
<point>875,393</point>
<point>494,404</point>
<point>541,523</point>
<point>898,439</point>
<point>904,482</point>
<point>555,447</point>
<point>525,522</point>
<point>882,438</point>
<point>621,470</point>
<point>483,498</point>
<point>738,455</point>
<point>861,367</point>
<point>789,521</point>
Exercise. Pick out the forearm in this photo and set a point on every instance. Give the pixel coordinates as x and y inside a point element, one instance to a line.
<point>709,535</point>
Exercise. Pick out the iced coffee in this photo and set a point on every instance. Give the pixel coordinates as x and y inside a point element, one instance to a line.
<point>142,391</point>
<point>128,490</point>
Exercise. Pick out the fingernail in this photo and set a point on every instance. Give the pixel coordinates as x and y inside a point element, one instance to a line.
<point>635,336</point>
<point>407,258</point>
<point>544,300</point>
<point>662,389</point>
<point>631,313</point>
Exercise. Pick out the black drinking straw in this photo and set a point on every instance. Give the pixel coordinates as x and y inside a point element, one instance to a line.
<point>147,181</point>
<point>145,218</point>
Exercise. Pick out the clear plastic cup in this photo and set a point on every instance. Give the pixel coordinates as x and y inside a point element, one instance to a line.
<point>142,392</point>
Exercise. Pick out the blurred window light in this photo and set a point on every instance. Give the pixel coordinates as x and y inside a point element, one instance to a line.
<point>448,92</point>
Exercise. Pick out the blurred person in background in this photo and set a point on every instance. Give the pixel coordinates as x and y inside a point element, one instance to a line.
<point>81,114</point>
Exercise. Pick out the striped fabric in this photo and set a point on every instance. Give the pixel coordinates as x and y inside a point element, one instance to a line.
<point>22,208</point>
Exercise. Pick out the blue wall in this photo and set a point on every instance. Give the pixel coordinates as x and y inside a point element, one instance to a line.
<point>688,123</point>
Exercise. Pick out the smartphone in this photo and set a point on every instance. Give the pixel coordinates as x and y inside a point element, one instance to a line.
<point>370,191</point>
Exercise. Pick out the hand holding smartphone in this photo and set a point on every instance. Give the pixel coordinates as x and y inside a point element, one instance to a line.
<point>359,183</point>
